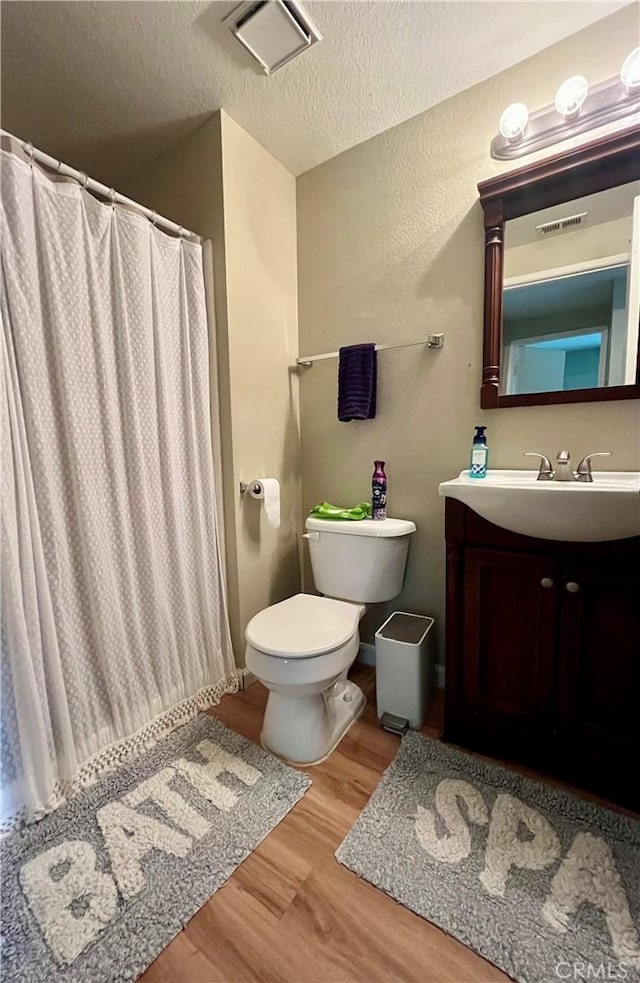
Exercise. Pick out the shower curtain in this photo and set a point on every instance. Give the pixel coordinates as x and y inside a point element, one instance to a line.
<point>114,627</point>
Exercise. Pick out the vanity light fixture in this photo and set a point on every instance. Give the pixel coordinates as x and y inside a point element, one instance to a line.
<point>513,121</point>
<point>577,107</point>
<point>630,72</point>
<point>571,96</point>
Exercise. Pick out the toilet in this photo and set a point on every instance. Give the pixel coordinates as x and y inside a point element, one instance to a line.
<point>301,649</point>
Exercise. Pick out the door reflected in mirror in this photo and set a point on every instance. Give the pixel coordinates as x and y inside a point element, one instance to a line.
<point>571,295</point>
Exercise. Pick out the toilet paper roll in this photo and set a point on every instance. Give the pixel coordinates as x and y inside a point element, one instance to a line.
<point>268,491</point>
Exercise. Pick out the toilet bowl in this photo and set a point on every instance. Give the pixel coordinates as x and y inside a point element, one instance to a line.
<point>302,648</point>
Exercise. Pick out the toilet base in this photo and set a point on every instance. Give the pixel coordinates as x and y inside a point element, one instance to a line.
<point>305,730</point>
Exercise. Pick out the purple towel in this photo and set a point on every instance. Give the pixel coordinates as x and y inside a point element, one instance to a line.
<point>357,383</point>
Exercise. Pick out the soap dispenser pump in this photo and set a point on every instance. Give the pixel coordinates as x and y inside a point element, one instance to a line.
<point>479,455</point>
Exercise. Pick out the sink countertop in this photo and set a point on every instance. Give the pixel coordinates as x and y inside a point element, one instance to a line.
<point>607,508</point>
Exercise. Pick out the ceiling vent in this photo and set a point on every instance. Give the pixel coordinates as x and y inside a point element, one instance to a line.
<point>273,31</point>
<point>562,224</point>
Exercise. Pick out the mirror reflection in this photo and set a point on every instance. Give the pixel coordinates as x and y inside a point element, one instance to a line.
<point>571,294</point>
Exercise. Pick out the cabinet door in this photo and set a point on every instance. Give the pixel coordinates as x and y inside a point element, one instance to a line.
<point>599,656</point>
<point>510,627</point>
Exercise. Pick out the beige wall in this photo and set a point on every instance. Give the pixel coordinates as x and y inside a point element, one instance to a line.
<point>390,247</point>
<point>260,236</point>
<point>223,185</point>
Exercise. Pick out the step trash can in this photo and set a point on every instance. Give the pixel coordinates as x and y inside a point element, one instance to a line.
<point>403,659</point>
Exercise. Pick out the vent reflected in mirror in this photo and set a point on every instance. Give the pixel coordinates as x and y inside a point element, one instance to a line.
<point>571,297</point>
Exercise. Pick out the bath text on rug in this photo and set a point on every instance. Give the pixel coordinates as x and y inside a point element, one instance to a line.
<point>73,900</point>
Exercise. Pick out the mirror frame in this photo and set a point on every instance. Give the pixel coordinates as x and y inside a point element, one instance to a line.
<point>574,173</point>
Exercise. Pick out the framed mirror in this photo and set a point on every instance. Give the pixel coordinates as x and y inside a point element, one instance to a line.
<point>562,277</point>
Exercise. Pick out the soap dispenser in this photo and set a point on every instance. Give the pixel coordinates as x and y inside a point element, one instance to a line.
<point>479,455</point>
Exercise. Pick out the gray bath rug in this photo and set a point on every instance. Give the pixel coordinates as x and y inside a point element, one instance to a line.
<point>542,884</point>
<point>94,891</point>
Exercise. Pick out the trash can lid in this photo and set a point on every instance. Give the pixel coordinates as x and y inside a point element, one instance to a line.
<point>404,627</point>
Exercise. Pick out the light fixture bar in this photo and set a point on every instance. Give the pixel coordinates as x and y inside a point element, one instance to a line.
<point>605,103</point>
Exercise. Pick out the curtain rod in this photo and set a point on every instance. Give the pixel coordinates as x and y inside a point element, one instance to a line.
<point>90,184</point>
<point>433,341</point>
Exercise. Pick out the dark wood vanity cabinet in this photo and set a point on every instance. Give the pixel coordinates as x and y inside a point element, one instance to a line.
<point>543,652</point>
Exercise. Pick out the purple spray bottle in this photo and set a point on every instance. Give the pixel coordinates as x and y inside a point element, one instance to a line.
<point>379,492</point>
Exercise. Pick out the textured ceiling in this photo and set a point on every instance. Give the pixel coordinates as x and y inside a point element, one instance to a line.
<point>107,86</point>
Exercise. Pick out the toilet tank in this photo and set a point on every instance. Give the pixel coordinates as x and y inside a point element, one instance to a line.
<point>359,560</point>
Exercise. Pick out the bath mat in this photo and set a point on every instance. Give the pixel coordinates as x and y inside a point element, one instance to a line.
<point>540,883</point>
<point>95,890</point>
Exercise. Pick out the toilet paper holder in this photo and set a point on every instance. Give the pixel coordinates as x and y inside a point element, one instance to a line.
<point>266,491</point>
<point>250,486</point>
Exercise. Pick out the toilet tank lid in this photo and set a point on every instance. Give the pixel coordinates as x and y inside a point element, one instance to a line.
<point>384,528</point>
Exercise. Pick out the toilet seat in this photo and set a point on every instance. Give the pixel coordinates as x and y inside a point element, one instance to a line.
<point>304,626</point>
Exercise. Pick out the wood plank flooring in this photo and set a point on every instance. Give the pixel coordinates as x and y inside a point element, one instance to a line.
<point>291,913</point>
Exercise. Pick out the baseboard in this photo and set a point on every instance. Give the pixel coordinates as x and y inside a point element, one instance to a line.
<point>247,678</point>
<point>367,657</point>
<point>366,654</point>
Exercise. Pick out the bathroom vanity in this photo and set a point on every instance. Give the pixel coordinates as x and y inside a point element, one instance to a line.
<point>543,571</point>
<point>543,652</point>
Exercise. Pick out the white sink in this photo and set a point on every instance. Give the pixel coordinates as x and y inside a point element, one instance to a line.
<point>572,511</point>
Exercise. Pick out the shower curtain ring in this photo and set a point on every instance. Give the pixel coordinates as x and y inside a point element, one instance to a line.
<point>28,149</point>
<point>181,232</point>
<point>84,180</point>
<point>154,219</point>
<point>112,197</point>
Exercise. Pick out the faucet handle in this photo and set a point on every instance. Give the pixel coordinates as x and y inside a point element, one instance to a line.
<point>583,472</point>
<point>546,472</point>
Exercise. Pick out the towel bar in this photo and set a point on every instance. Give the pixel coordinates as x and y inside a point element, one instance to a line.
<point>433,341</point>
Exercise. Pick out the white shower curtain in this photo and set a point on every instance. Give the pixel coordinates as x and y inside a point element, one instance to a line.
<point>114,628</point>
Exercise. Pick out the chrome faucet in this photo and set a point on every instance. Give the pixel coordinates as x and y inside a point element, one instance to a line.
<point>546,472</point>
<point>562,471</point>
<point>584,472</point>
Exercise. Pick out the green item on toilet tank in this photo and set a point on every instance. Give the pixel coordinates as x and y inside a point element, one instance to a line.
<point>327,511</point>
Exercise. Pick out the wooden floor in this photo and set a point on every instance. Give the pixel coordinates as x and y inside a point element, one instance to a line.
<point>291,913</point>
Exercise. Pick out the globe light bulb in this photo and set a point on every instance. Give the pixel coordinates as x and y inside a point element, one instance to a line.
<point>513,121</point>
<point>630,71</point>
<point>571,95</point>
